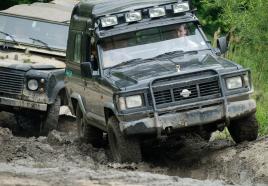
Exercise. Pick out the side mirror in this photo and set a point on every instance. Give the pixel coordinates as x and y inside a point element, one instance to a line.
<point>86,69</point>
<point>222,44</point>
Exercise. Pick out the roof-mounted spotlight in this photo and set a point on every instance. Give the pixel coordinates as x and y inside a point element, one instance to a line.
<point>181,7</point>
<point>133,16</point>
<point>109,21</point>
<point>157,12</point>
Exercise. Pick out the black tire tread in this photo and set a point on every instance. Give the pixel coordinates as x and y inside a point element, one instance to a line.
<point>52,117</point>
<point>27,126</point>
<point>244,129</point>
<point>89,134</point>
<point>129,149</point>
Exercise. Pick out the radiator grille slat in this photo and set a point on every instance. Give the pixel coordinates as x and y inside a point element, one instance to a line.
<point>195,90</point>
<point>11,81</point>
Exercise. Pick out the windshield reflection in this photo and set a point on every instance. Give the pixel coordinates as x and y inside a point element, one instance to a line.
<point>22,30</point>
<point>151,43</point>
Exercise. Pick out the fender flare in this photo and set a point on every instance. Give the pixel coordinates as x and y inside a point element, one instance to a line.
<point>78,98</point>
<point>111,107</point>
<point>56,90</point>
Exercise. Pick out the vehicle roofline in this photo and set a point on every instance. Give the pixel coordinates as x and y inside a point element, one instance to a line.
<point>35,19</point>
<point>145,25</point>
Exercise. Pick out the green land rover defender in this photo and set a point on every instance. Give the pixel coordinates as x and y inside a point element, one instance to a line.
<point>144,70</point>
<point>33,41</point>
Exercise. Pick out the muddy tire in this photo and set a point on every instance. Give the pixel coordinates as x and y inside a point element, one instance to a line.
<point>123,149</point>
<point>206,135</point>
<point>51,120</point>
<point>87,133</point>
<point>244,129</point>
<point>27,125</point>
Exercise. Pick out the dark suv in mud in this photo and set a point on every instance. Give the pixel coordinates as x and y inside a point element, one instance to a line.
<point>143,70</point>
<point>33,40</point>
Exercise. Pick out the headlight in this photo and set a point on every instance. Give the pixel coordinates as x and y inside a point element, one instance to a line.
<point>157,12</point>
<point>181,7</point>
<point>234,83</point>
<point>130,102</point>
<point>133,16</point>
<point>33,84</point>
<point>109,21</point>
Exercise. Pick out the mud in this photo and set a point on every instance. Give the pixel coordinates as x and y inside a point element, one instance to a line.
<point>62,159</point>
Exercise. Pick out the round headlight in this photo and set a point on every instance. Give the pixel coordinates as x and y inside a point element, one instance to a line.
<point>33,84</point>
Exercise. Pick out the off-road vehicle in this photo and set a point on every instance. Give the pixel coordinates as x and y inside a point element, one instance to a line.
<point>33,40</point>
<point>144,70</point>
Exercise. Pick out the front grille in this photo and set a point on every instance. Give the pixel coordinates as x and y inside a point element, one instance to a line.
<point>11,81</point>
<point>197,90</point>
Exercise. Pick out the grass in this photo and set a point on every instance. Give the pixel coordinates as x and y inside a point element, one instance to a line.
<point>257,61</point>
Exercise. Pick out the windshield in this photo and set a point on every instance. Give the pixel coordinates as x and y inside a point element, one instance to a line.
<point>150,43</point>
<point>44,34</point>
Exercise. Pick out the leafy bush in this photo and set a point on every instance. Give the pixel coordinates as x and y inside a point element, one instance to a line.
<point>245,21</point>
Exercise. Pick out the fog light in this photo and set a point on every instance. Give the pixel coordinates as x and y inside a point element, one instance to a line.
<point>133,16</point>
<point>109,21</point>
<point>181,7</point>
<point>157,12</point>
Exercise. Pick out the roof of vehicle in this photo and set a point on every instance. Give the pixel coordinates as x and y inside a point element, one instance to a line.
<point>58,10</point>
<point>105,7</point>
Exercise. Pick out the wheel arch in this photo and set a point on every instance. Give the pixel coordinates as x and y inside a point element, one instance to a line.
<point>76,101</point>
<point>109,111</point>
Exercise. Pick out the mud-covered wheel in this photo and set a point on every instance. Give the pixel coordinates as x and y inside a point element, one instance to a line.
<point>87,133</point>
<point>206,135</point>
<point>28,124</point>
<point>123,149</point>
<point>51,120</point>
<point>244,129</point>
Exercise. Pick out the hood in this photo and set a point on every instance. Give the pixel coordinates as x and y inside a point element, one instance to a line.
<point>23,61</point>
<point>142,73</point>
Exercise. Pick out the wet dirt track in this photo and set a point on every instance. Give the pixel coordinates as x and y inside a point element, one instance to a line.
<point>62,159</point>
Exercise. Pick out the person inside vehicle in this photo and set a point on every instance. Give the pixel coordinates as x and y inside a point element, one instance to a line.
<point>182,30</point>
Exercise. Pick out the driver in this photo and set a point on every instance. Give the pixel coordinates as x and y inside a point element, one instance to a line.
<point>182,30</point>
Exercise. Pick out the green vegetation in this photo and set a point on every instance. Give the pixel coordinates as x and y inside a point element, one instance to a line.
<point>245,24</point>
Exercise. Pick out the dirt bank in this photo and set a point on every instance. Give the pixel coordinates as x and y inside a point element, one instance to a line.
<point>62,159</point>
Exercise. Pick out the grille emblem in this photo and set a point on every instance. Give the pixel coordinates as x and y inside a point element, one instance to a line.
<point>185,93</point>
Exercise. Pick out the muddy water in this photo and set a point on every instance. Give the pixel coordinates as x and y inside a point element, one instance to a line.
<point>62,159</point>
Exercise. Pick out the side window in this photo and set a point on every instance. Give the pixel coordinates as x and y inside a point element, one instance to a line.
<point>77,48</point>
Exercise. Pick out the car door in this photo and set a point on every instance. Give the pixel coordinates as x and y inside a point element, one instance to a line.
<point>74,80</point>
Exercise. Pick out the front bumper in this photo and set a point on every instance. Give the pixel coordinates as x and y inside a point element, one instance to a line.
<point>198,117</point>
<point>15,103</point>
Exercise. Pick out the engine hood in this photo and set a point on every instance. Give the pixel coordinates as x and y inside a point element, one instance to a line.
<point>133,76</point>
<point>23,61</point>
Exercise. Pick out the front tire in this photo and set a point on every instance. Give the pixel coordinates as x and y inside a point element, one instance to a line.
<point>87,133</point>
<point>244,129</point>
<point>28,124</point>
<point>51,120</point>
<point>124,150</point>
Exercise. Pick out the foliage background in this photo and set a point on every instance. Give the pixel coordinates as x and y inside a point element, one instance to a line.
<point>245,22</point>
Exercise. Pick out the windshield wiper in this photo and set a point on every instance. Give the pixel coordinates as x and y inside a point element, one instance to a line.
<point>9,35</point>
<point>178,52</point>
<point>170,53</point>
<point>137,61</point>
<point>42,42</point>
